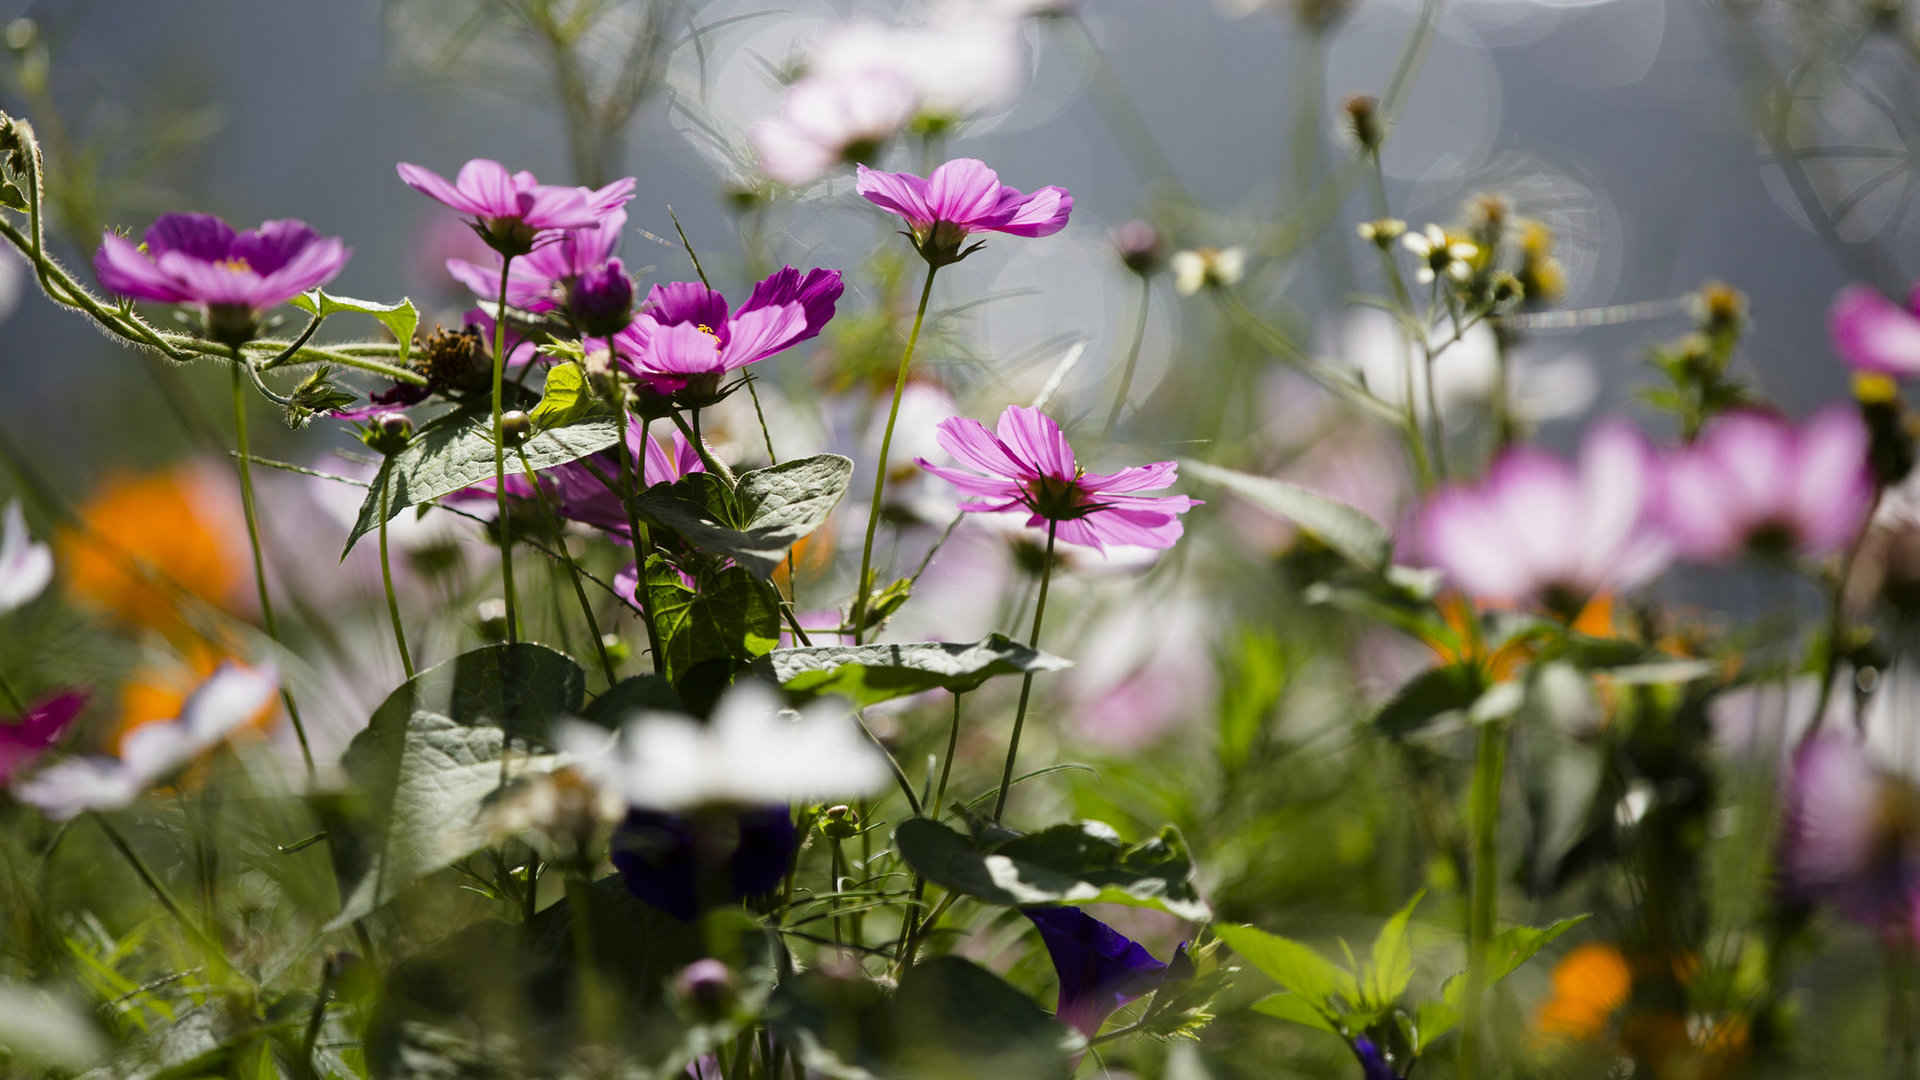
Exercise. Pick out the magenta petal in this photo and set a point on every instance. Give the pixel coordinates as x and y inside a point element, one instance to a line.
<point>686,302</point>
<point>963,191</point>
<point>1034,438</point>
<point>23,741</point>
<point>1138,478</point>
<point>200,236</point>
<point>969,441</point>
<point>273,245</point>
<point>682,349</point>
<point>1151,528</point>
<point>760,333</point>
<point>434,186</point>
<point>993,487</point>
<point>1832,490</point>
<point>1873,334</point>
<point>313,266</point>
<point>488,186</point>
<point>817,291</point>
<point>1043,213</point>
<point>902,193</point>
<point>123,269</point>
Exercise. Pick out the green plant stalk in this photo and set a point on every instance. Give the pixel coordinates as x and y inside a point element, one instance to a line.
<point>573,569</point>
<point>631,477</point>
<point>838,868</point>
<point>386,583</point>
<point>1026,682</point>
<point>500,458</point>
<point>594,1012</point>
<point>1133,354</point>
<point>1489,766</point>
<point>253,541</point>
<point>1403,314</point>
<point>194,930</point>
<point>14,701</point>
<point>862,585</point>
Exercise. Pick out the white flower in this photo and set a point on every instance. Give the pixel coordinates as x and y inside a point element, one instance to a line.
<point>826,119</point>
<point>751,752</point>
<point>230,697</point>
<point>956,68</point>
<point>1439,255</point>
<point>1465,374</point>
<point>1193,270</point>
<point>25,567</point>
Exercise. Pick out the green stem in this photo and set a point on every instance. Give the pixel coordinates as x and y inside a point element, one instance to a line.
<point>1489,765</point>
<point>946,765</point>
<point>594,1012</point>
<point>699,443</point>
<point>500,458</point>
<point>386,582</point>
<point>1133,354</point>
<point>253,541</point>
<point>14,700</point>
<point>160,893</point>
<point>631,477</point>
<point>863,585</point>
<point>573,569</point>
<point>838,868</point>
<point>1026,683</point>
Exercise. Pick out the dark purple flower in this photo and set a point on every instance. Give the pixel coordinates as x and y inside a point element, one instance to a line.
<point>1537,529</point>
<point>1029,465</point>
<point>1100,969</point>
<point>1753,479</point>
<point>685,339</point>
<point>25,738</point>
<point>1373,1063</point>
<point>600,301</point>
<point>581,496</point>
<point>510,210</point>
<point>1873,334</point>
<point>684,864</point>
<point>959,198</point>
<point>200,259</point>
<point>538,281</point>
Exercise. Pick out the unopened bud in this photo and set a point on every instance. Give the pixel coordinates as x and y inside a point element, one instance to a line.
<point>490,617</point>
<point>840,822</point>
<point>600,301</point>
<point>1363,120</point>
<point>1139,246</point>
<point>706,989</point>
<point>390,432</point>
<point>516,427</point>
<point>1719,308</point>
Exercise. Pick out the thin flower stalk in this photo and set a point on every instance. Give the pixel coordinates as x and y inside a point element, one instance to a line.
<point>863,584</point>
<point>500,456</point>
<point>1026,681</point>
<point>386,581</point>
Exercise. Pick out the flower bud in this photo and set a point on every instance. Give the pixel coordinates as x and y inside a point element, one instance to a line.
<point>1382,232</point>
<point>516,427</point>
<point>1720,309</point>
<point>389,433</point>
<point>1363,120</point>
<point>1139,246</point>
<point>705,988</point>
<point>490,618</point>
<point>600,301</point>
<point>840,822</point>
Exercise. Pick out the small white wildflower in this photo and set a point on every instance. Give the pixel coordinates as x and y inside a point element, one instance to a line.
<point>1202,267</point>
<point>1438,255</point>
<point>25,567</point>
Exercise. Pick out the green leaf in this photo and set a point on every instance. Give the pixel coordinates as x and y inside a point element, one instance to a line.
<point>1391,965</point>
<point>867,674</point>
<point>456,451</point>
<point>1297,967</point>
<point>1516,945</point>
<point>39,1028</point>
<point>731,615</point>
<point>1287,1005</point>
<point>881,605</point>
<point>1433,1018</point>
<point>768,513</point>
<point>1427,696</point>
<point>635,693</point>
<point>567,399</point>
<point>1362,540</point>
<point>11,197</point>
<point>402,318</point>
<point>430,757</point>
<point>1079,863</point>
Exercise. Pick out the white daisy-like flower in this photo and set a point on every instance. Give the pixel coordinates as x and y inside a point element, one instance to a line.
<point>229,698</point>
<point>25,567</point>
<point>753,751</point>
<point>1203,267</point>
<point>1439,255</point>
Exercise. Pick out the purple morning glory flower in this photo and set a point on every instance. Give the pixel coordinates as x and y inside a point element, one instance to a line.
<point>510,210</point>
<point>25,738</point>
<point>1100,969</point>
<point>959,198</point>
<point>1538,530</point>
<point>684,339</point>
<point>1753,479</point>
<point>1875,335</point>
<point>199,259</point>
<point>25,567</point>
<point>684,865</point>
<point>1851,837</point>
<point>1029,465</point>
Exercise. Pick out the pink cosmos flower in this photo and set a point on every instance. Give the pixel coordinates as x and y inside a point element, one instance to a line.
<point>1028,463</point>
<point>1873,334</point>
<point>1851,838</point>
<point>581,496</point>
<point>959,198</point>
<point>25,738</point>
<point>1755,479</point>
<point>1538,530</point>
<point>684,339</point>
<point>539,280</point>
<point>509,210</point>
<point>234,276</point>
<point>825,121</point>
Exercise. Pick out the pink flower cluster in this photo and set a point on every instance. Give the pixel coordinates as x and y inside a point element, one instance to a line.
<point>1539,530</point>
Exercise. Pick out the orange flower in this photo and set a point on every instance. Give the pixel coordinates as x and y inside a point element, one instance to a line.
<point>1589,985</point>
<point>179,525</point>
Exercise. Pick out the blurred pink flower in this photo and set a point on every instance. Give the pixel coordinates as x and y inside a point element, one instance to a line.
<point>1873,334</point>
<point>1754,479</point>
<point>1539,530</point>
<point>1029,464</point>
<point>1851,837</point>
<point>827,121</point>
<point>539,280</point>
<point>24,738</point>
